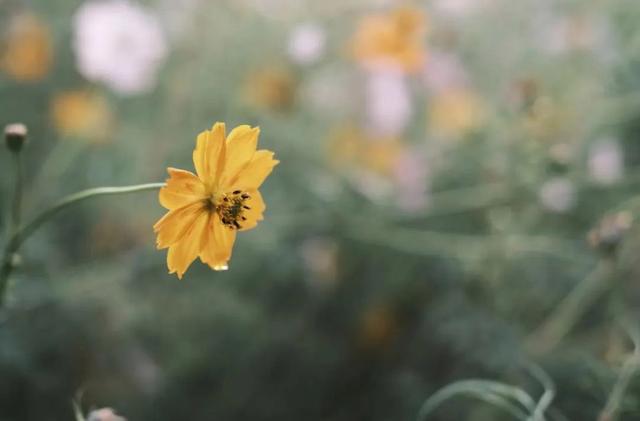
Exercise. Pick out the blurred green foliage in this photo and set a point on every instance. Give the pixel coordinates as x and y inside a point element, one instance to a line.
<point>342,305</point>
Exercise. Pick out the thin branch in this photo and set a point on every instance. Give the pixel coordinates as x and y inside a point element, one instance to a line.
<point>569,311</point>
<point>19,236</point>
<point>629,370</point>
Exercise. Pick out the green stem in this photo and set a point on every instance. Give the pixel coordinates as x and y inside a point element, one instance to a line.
<point>571,308</point>
<point>18,237</point>
<point>7,263</point>
<point>16,206</point>
<point>629,370</point>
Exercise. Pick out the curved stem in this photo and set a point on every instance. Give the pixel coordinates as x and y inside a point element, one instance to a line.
<point>571,308</point>
<point>19,235</point>
<point>629,370</point>
<point>549,393</point>
<point>509,398</point>
<point>74,198</point>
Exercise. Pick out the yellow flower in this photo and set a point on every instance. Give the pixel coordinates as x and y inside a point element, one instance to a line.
<point>28,53</point>
<point>350,147</point>
<point>206,210</point>
<point>82,114</point>
<point>455,113</point>
<point>393,38</point>
<point>271,87</point>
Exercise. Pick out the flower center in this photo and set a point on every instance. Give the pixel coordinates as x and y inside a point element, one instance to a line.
<point>230,207</point>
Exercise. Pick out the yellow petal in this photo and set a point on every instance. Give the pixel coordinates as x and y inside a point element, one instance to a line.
<point>174,224</point>
<point>184,252</point>
<point>241,146</point>
<point>217,244</point>
<point>254,174</point>
<point>183,188</point>
<point>254,213</point>
<point>209,154</point>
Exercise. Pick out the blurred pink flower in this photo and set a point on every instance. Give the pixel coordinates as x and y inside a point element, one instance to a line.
<point>104,414</point>
<point>118,43</point>
<point>306,43</point>
<point>605,162</point>
<point>444,71</point>
<point>412,180</point>
<point>388,104</point>
<point>558,195</point>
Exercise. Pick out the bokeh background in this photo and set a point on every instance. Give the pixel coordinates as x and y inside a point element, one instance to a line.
<point>451,171</point>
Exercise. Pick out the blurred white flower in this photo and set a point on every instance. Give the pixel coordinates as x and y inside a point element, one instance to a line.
<point>104,414</point>
<point>388,105</point>
<point>444,71</point>
<point>459,8</point>
<point>583,33</point>
<point>606,162</point>
<point>118,43</point>
<point>558,194</point>
<point>306,43</point>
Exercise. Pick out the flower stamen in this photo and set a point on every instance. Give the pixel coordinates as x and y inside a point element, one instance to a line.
<point>231,207</point>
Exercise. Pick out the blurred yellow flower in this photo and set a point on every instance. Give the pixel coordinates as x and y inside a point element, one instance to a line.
<point>344,145</point>
<point>27,54</point>
<point>455,113</point>
<point>206,210</point>
<point>271,87</point>
<point>395,38</point>
<point>351,147</point>
<point>378,327</point>
<point>382,156</point>
<point>81,114</point>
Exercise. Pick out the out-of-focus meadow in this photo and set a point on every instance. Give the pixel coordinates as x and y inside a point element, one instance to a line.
<point>455,201</point>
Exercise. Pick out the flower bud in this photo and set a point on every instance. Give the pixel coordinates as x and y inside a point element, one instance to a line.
<point>104,414</point>
<point>610,232</point>
<point>15,135</point>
